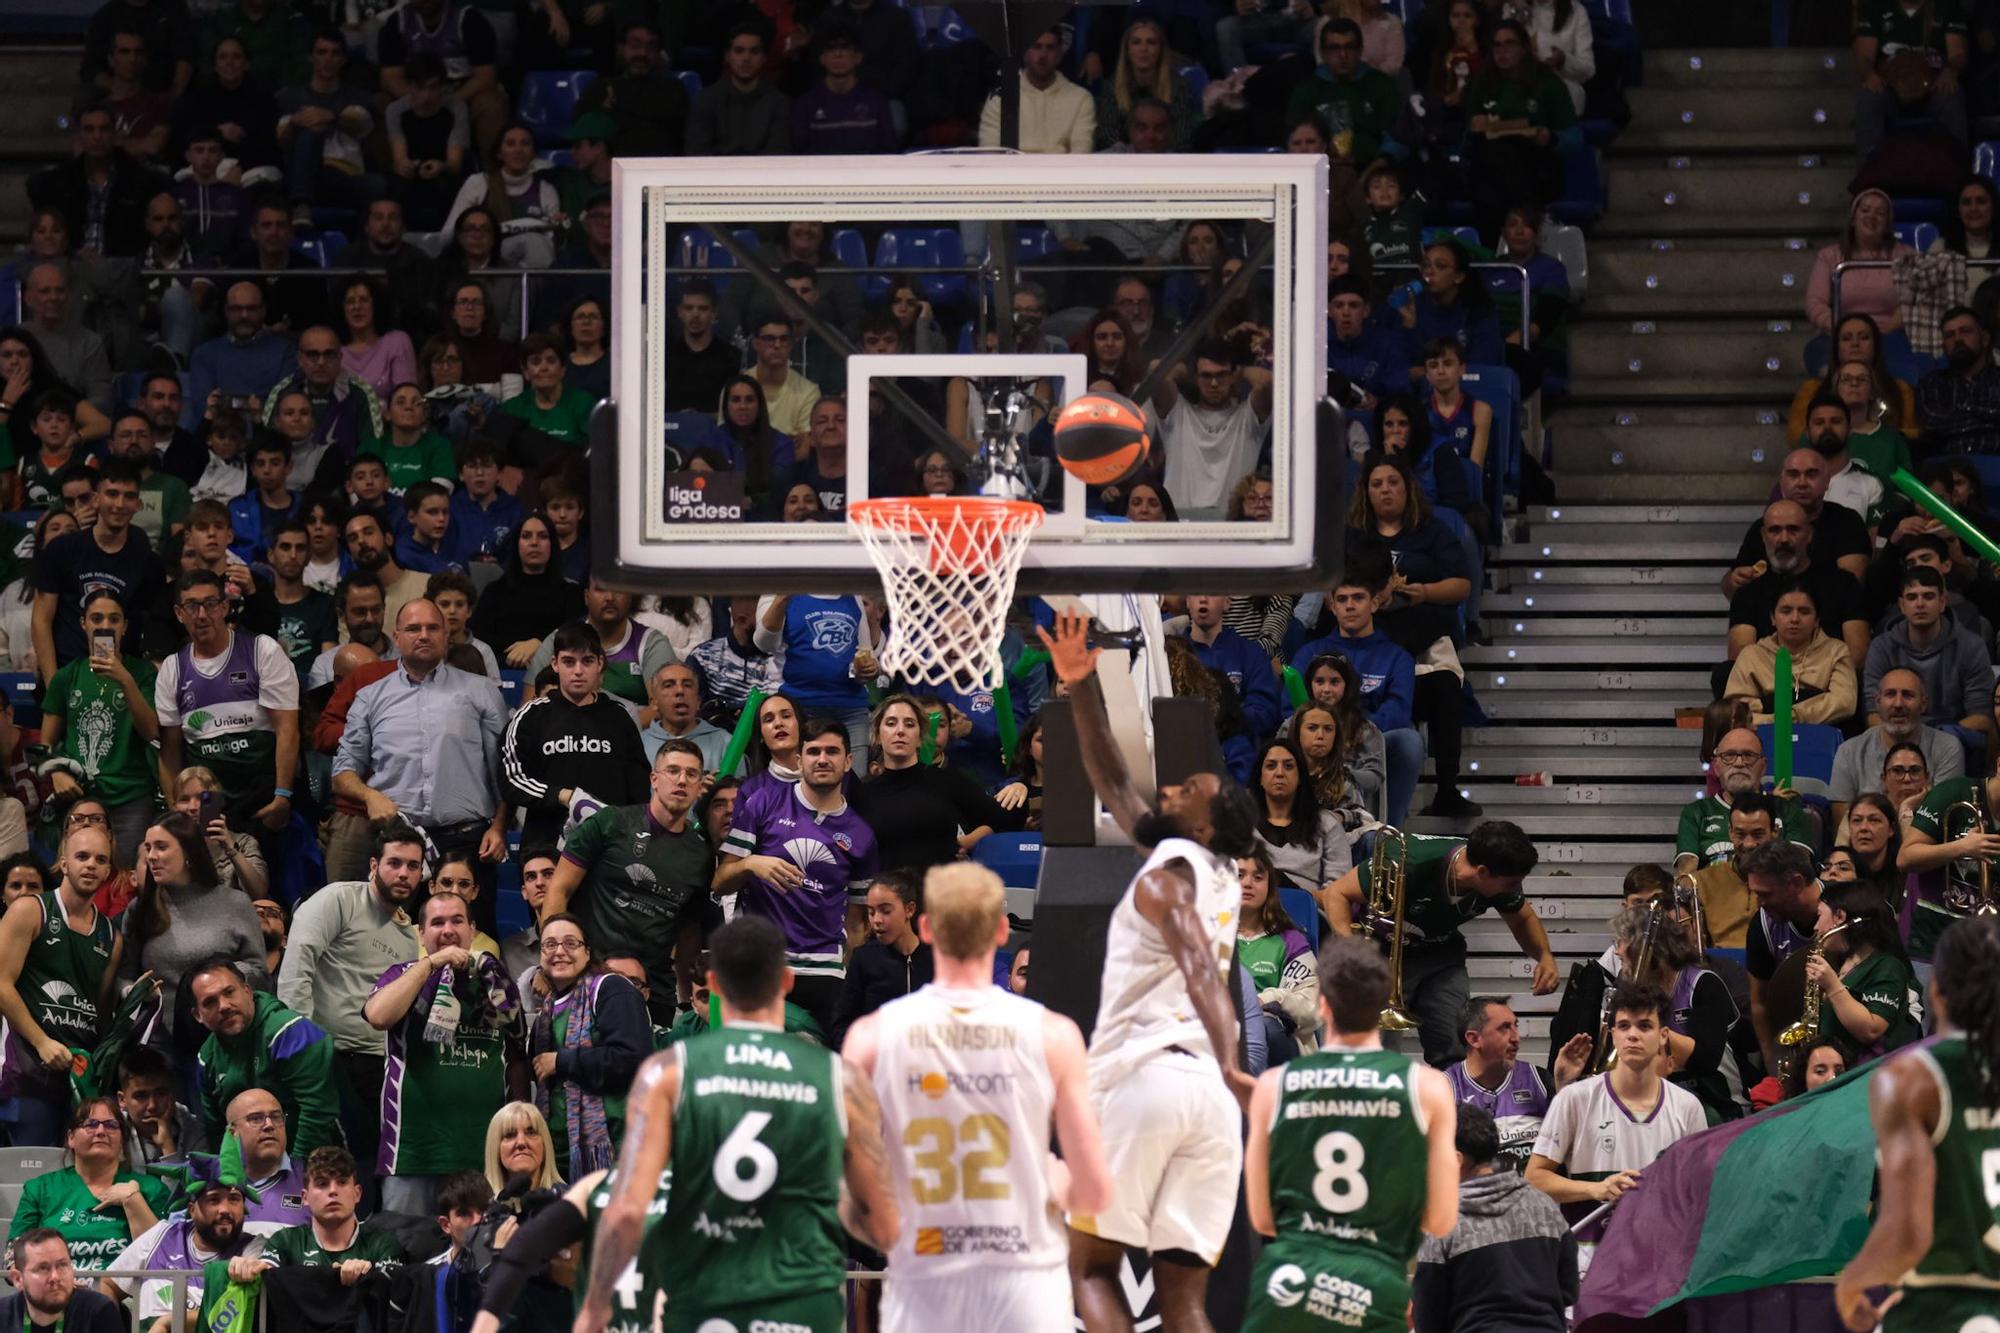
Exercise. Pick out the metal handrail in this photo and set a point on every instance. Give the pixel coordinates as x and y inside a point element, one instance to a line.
<point>133,1280</point>
<point>1840,271</point>
<point>1520,271</point>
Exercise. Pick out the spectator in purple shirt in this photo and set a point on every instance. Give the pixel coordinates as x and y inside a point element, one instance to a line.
<point>801,856</point>
<point>839,113</point>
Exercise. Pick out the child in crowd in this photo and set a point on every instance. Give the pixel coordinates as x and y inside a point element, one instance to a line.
<point>1394,229</point>
<point>426,543</point>
<point>54,418</point>
<point>482,515</point>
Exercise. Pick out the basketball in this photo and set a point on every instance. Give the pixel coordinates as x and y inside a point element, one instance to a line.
<point>1101,439</point>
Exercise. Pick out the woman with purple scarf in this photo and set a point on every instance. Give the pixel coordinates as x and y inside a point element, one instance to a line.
<point>590,1035</point>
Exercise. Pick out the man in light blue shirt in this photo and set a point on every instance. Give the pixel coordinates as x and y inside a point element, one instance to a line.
<point>675,690</point>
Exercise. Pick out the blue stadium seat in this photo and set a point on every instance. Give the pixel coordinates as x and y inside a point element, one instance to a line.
<point>697,249</point>
<point>925,247</point>
<point>849,247</point>
<point>548,101</point>
<point>1032,241</point>
<point>1015,857</point>
<point>512,685</point>
<point>685,430</point>
<point>942,26</point>
<point>1196,79</point>
<point>1469,235</point>
<point>23,689</point>
<point>1812,757</point>
<point>1301,907</point>
<point>509,908</point>
<point>691,81</point>
<point>1500,389</point>
<point>1986,157</point>
<point>1919,208</point>
<point>1917,235</point>
<point>1581,199</point>
<point>1988,468</point>
<point>1616,38</point>
<point>318,246</point>
<point>10,301</point>
<point>965,338</point>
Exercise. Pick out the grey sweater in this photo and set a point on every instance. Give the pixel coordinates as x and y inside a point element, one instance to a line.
<point>1509,1266</point>
<point>202,921</point>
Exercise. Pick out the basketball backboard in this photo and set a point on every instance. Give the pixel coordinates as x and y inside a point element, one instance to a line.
<point>680,507</point>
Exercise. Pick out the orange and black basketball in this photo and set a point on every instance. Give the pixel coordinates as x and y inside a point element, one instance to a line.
<point>1101,438</point>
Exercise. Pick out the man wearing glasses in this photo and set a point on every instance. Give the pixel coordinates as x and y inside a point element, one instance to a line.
<point>110,553</point>
<point>788,395</point>
<point>1358,105</point>
<point>241,364</point>
<point>230,702</point>
<point>347,414</point>
<point>1861,762</point>
<point>1739,767</point>
<point>1212,439</point>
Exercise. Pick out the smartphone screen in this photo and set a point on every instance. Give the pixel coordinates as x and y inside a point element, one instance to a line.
<point>103,644</point>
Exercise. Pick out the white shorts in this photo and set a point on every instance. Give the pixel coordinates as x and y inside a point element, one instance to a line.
<point>1173,1138</point>
<point>1016,1301</point>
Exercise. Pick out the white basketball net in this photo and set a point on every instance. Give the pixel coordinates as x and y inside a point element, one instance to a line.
<point>948,565</point>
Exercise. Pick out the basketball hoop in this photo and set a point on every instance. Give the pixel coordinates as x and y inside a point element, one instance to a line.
<point>948,564</point>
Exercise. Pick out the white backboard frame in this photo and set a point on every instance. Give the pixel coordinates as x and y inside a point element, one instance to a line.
<point>655,200</point>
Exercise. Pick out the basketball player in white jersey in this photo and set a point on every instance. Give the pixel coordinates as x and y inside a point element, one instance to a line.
<point>970,1077</point>
<point>1163,1071</point>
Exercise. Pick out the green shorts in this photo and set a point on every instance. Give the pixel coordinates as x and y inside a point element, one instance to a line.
<point>819,1312</point>
<point>1299,1289</point>
<point>1944,1310</point>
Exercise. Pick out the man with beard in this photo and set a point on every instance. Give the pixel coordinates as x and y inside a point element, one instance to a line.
<point>175,450</point>
<point>648,105</point>
<point>1789,544</point>
<point>347,415</point>
<point>210,1228</point>
<point>1848,484</point>
<point>163,497</point>
<point>171,308</point>
<point>373,553</point>
<point>455,1035</point>
<point>235,371</point>
<point>254,1042</point>
<point>1780,876</point>
<point>640,870</point>
<point>1901,705</point>
<point>45,1298</point>
<point>1704,828</point>
<point>341,939</point>
<point>1726,901</point>
<point>1493,1077</point>
<point>1950,660</point>
<point>1835,536</point>
<point>1959,406</point>
<point>271,915</point>
<point>363,611</point>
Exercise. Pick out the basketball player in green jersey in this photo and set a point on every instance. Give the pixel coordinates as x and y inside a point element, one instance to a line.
<point>1936,1108</point>
<point>1351,1152</point>
<point>762,1128</point>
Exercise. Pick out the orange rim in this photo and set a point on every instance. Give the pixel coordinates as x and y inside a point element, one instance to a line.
<point>926,512</point>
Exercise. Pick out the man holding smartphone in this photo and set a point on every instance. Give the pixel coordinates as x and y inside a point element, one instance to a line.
<point>97,722</point>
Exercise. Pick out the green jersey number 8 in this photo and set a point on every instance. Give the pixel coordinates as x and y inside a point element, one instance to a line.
<point>742,1146</point>
<point>1339,1186</point>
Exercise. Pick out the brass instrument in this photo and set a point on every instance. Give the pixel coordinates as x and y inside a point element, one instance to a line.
<point>1798,1038</point>
<point>1964,897</point>
<point>1605,1057</point>
<point>1388,877</point>
<point>1687,893</point>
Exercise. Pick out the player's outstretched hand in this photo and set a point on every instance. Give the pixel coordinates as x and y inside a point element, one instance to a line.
<point>1857,1311</point>
<point>1241,1085</point>
<point>1070,652</point>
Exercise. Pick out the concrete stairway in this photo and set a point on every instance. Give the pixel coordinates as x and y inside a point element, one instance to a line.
<point>1603,613</point>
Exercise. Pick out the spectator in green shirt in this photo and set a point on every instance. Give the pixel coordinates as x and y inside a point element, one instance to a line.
<point>1522,119</point>
<point>1932,35</point>
<point>334,1238</point>
<point>97,722</point>
<point>557,411</point>
<point>1359,108</point>
<point>413,452</point>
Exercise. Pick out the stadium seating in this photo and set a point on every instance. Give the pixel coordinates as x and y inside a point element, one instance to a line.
<point>548,101</point>
<point>1303,910</point>
<point>917,248</point>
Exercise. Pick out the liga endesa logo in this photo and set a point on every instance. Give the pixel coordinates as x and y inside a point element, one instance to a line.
<point>704,497</point>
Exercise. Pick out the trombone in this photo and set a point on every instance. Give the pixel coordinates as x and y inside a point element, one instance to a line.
<point>1388,877</point>
<point>1606,1058</point>
<point>1963,897</point>
<point>1687,894</point>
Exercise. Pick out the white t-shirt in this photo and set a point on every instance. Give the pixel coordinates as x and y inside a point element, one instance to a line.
<point>277,678</point>
<point>1209,450</point>
<point>156,1296</point>
<point>222,480</point>
<point>1144,1005</point>
<point>1594,1135</point>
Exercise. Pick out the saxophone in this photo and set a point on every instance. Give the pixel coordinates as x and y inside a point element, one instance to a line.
<point>1968,895</point>
<point>1799,1037</point>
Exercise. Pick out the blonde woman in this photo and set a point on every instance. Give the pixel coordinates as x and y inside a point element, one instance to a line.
<point>518,1143</point>
<point>1145,69</point>
<point>239,861</point>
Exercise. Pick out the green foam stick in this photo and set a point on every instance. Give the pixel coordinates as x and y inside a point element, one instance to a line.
<point>1003,710</point>
<point>927,751</point>
<point>1927,501</point>
<point>1026,662</point>
<point>1781,722</point>
<point>1295,688</point>
<point>739,740</point>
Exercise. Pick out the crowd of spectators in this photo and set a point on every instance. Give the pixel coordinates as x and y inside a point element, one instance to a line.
<point>292,429</point>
